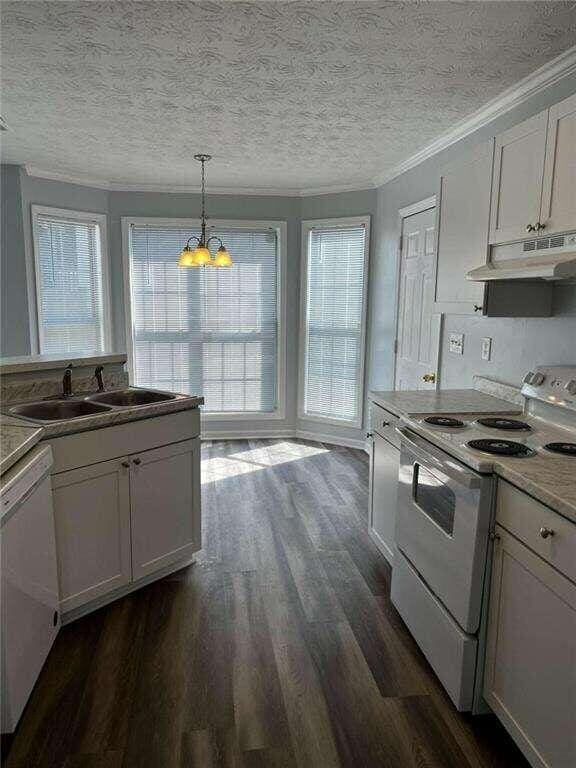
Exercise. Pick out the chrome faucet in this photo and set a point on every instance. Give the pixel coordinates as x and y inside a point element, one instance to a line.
<point>67,382</point>
<point>98,374</point>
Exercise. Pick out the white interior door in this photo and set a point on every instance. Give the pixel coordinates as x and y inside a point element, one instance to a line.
<point>418,334</point>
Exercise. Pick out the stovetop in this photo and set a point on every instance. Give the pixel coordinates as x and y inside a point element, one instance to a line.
<point>521,437</point>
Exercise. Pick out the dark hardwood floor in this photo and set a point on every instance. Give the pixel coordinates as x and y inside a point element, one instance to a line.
<point>279,647</point>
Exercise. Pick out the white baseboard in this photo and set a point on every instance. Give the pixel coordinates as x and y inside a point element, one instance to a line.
<point>241,434</point>
<point>245,434</point>
<point>324,438</point>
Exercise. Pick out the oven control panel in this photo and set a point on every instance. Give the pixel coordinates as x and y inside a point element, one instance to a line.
<point>555,384</point>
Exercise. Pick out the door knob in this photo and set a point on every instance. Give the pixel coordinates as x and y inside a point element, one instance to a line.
<point>429,378</point>
<point>530,228</point>
<point>478,307</point>
<point>545,532</point>
<point>539,226</point>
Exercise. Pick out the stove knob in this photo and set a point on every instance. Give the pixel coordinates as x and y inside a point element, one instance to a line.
<point>528,378</point>
<point>570,387</point>
<point>537,379</point>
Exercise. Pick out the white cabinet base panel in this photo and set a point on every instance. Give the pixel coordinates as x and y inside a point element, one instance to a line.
<point>110,597</point>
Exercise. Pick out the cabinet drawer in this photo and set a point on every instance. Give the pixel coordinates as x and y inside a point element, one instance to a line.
<point>524,517</point>
<point>384,423</point>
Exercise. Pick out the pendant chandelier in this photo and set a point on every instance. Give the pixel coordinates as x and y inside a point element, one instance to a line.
<point>199,255</point>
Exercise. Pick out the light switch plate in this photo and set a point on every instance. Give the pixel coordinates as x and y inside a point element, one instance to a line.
<point>457,343</point>
<point>486,347</point>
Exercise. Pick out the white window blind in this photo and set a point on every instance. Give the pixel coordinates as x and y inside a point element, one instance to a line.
<point>212,332</point>
<point>333,354</point>
<point>72,312</point>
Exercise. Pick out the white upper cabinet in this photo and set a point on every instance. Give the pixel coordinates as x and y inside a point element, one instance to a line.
<point>518,176</point>
<point>463,219</point>
<point>558,211</point>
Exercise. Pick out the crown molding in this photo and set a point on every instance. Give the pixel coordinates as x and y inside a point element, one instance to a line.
<point>544,77</point>
<point>112,186</point>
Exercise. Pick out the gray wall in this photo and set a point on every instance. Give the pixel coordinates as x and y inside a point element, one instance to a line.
<point>15,339</point>
<point>517,344</point>
<point>20,192</point>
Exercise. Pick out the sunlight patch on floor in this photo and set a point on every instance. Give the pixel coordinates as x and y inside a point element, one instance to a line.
<point>241,463</point>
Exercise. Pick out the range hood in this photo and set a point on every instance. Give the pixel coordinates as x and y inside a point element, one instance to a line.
<point>546,258</point>
<point>531,268</point>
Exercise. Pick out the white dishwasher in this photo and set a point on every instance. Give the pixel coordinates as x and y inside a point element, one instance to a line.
<point>29,579</point>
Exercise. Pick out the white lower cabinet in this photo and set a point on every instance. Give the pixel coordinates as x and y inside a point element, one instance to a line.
<point>384,464</point>
<point>530,677</point>
<point>164,496</point>
<point>121,520</point>
<point>92,519</point>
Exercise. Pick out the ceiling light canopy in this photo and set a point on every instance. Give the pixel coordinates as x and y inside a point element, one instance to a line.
<point>199,255</point>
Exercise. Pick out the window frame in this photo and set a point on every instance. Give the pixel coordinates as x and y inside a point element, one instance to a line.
<point>307,227</point>
<point>191,223</point>
<point>34,283</point>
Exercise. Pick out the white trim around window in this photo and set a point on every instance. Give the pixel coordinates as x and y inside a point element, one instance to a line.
<point>307,228</point>
<point>32,275</point>
<point>189,223</point>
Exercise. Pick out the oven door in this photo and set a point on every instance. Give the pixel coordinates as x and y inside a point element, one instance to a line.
<point>442,526</point>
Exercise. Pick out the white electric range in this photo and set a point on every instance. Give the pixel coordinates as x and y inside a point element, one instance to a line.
<point>445,515</point>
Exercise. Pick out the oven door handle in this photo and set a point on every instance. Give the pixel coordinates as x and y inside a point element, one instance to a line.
<point>427,455</point>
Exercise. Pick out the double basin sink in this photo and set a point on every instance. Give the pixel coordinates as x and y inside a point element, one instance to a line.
<point>74,408</point>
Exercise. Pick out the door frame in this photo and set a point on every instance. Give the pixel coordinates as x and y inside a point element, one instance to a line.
<point>403,213</point>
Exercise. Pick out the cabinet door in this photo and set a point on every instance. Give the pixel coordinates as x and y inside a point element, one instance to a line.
<point>92,517</point>
<point>559,193</point>
<point>530,678</point>
<point>165,506</point>
<point>463,222</point>
<point>384,478</point>
<point>518,174</point>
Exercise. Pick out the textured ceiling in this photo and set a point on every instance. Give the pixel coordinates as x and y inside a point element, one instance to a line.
<point>284,94</point>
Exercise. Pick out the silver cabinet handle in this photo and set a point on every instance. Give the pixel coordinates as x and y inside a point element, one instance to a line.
<point>126,464</point>
<point>546,532</point>
<point>137,461</point>
<point>530,228</point>
<point>539,226</point>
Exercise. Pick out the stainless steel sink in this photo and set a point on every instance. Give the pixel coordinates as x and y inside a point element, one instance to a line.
<point>131,397</point>
<point>57,410</point>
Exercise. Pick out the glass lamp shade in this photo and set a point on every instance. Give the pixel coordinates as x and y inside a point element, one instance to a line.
<point>201,256</point>
<point>186,258</point>
<point>222,258</point>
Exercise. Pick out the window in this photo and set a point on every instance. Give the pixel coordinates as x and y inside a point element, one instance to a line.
<point>213,332</point>
<point>334,280</point>
<point>71,278</point>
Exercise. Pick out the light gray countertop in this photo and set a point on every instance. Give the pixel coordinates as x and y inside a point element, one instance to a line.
<point>16,439</point>
<point>442,401</point>
<point>34,363</point>
<point>116,416</point>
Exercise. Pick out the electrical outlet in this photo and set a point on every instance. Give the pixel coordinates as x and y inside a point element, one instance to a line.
<point>457,343</point>
<point>486,348</point>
